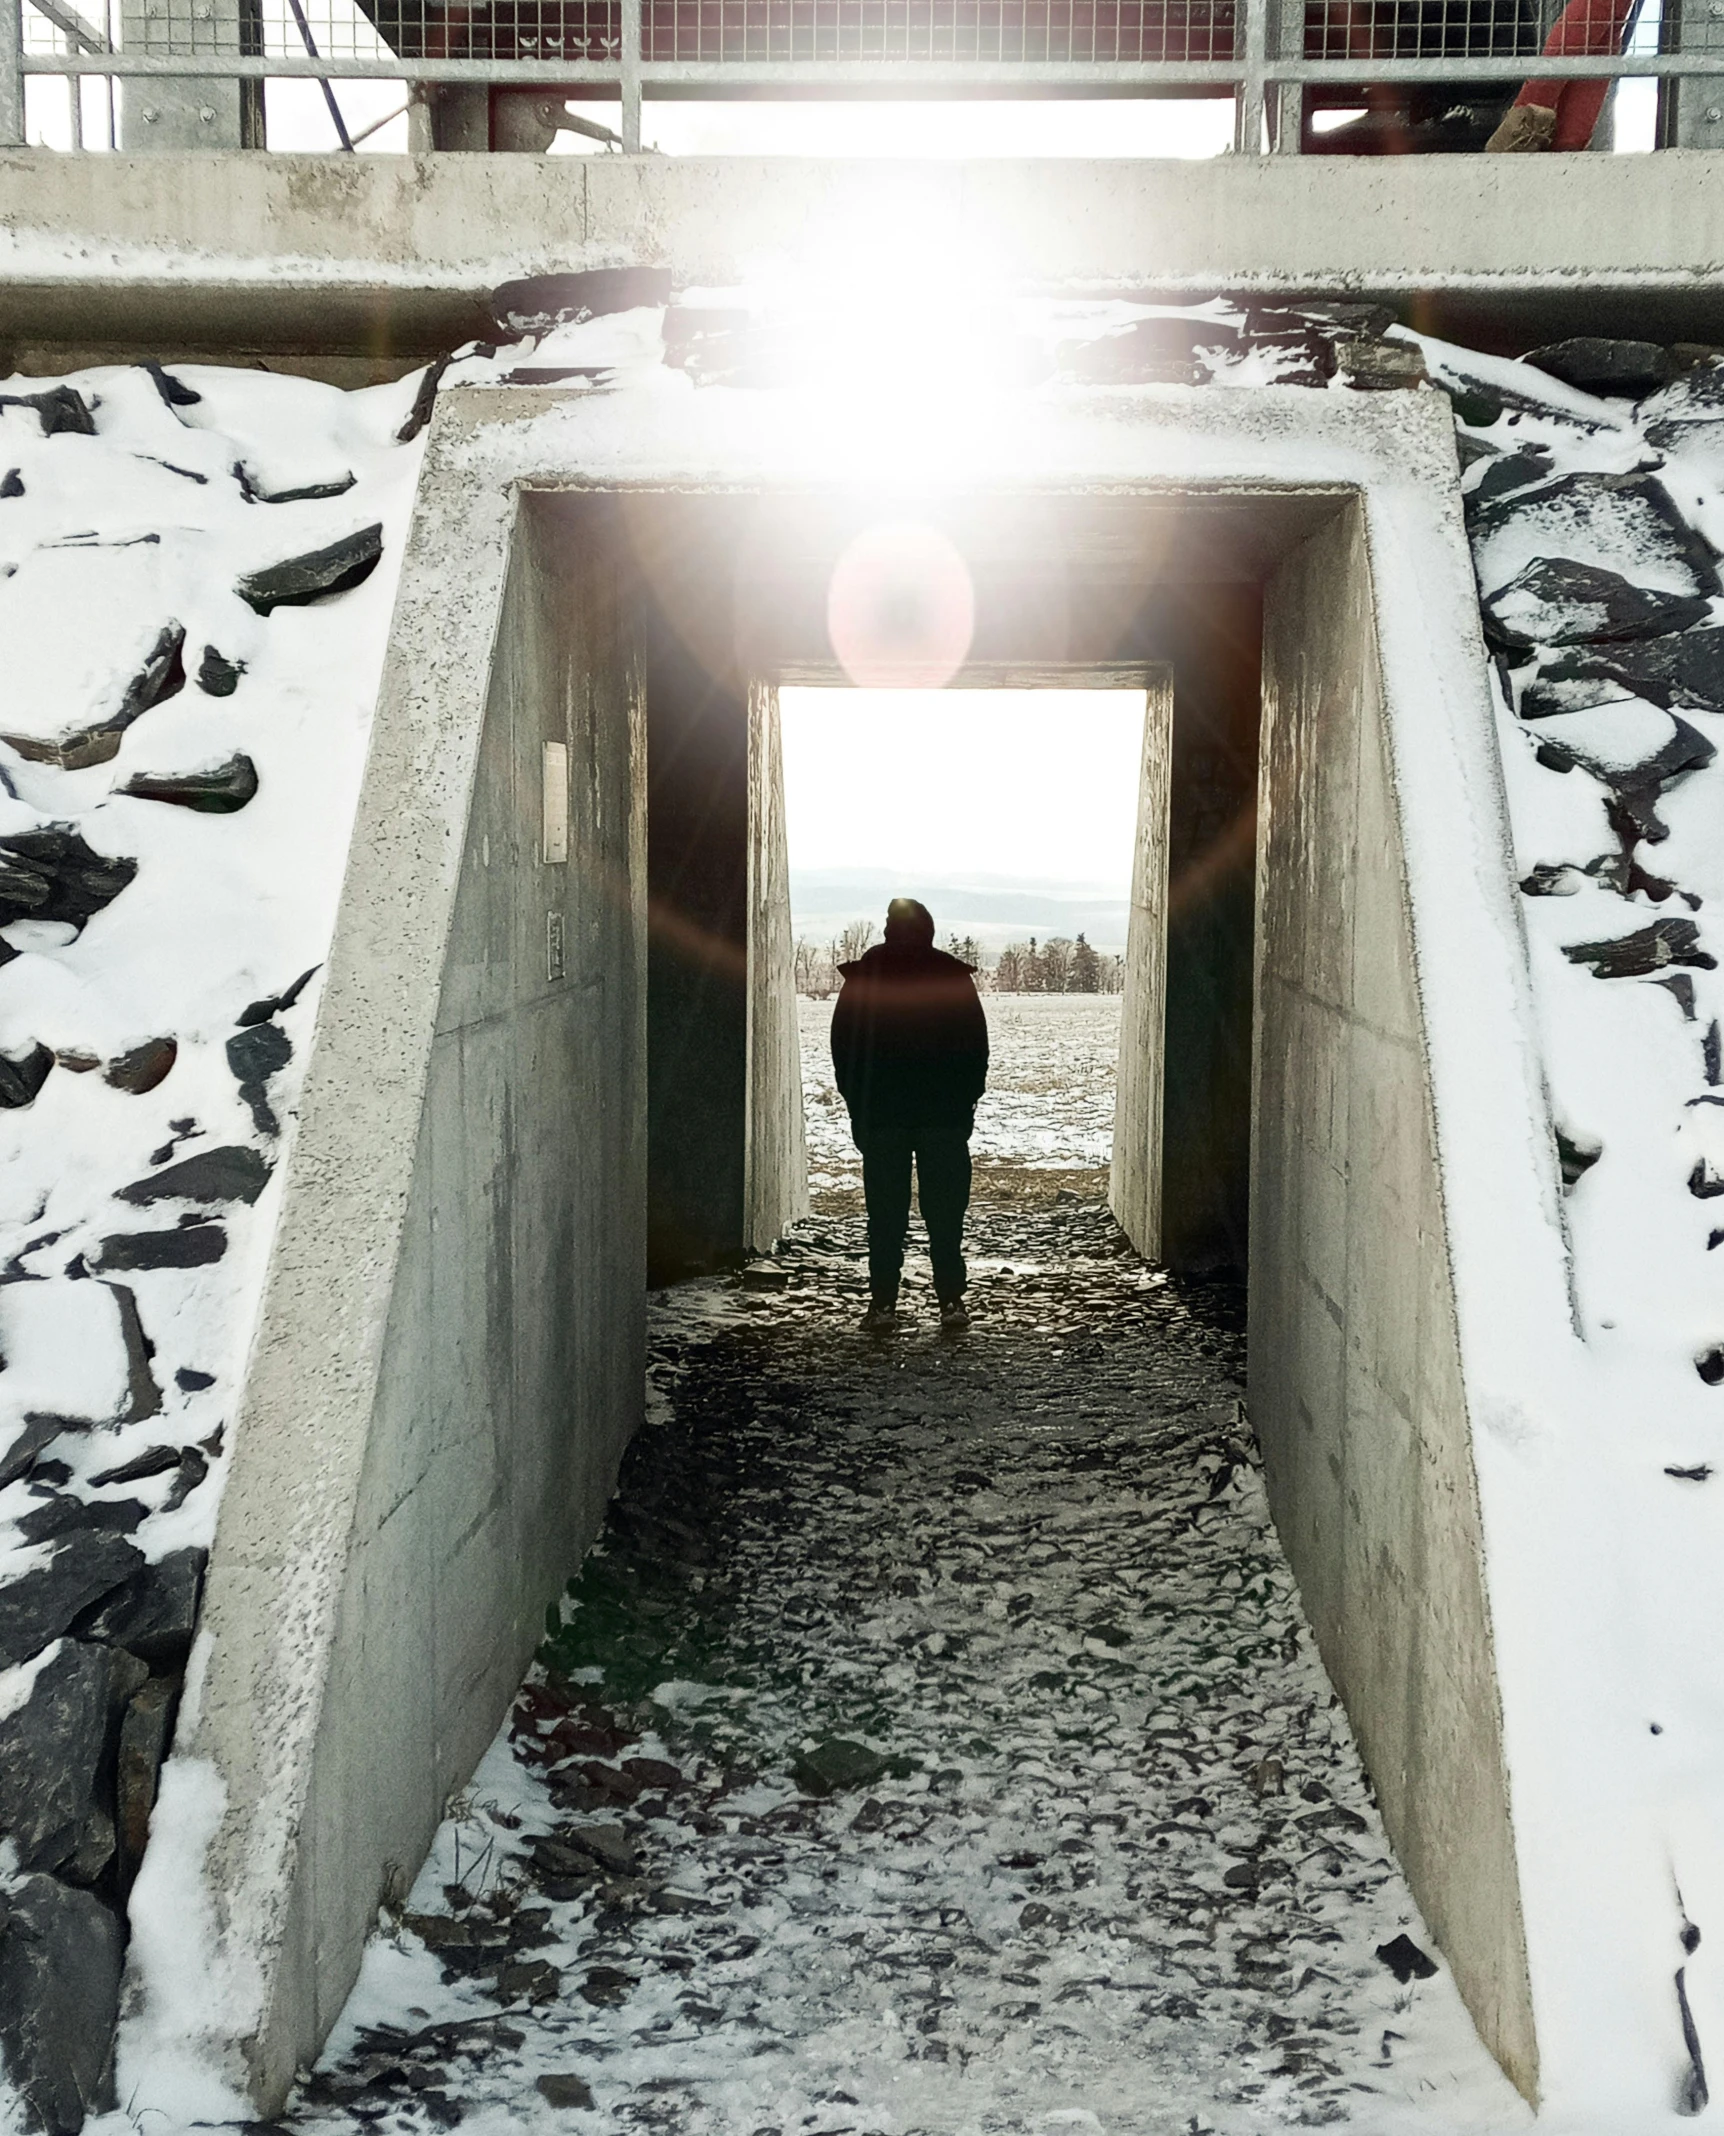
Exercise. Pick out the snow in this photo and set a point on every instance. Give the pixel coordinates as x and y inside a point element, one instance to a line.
<point>115,536</point>
<point>1108,1860</point>
<point>154,519</point>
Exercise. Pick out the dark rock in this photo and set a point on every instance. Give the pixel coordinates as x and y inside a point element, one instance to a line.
<point>143,1067</point>
<point>1553,879</point>
<point>144,1737</point>
<point>190,1381</point>
<point>59,2000</point>
<point>36,1433</point>
<point>765,1276</point>
<point>191,1246</point>
<point>835,1764</point>
<point>21,1081</point>
<point>564,2091</point>
<point>174,391</point>
<point>1647,950</point>
<point>1556,601</point>
<point>253,494</point>
<point>606,1844</point>
<point>1508,472</point>
<point>155,1612</point>
<point>222,791</point>
<point>653,1773</point>
<point>62,411</point>
<point>1710,1366</point>
<point>52,874</point>
<point>51,1755</point>
<point>41,1604</point>
<point>1594,364</point>
<point>11,483</point>
<point>153,1461</point>
<point>194,1467</point>
<point>218,677</point>
<point>1623,512</point>
<point>605,1987</point>
<point>1703,1183</point>
<point>64,1513</point>
<point>1379,366</point>
<point>1697,1474</point>
<point>145,1397</point>
<point>1634,788</point>
<point>316,576</point>
<point>424,401</point>
<point>1575,1159</point>
<point>1693,2095</point>
<point>539,302</point>
<point>231,1173</point>
<point>1406,1961</point>
<point>1148,352</point>
<point>256,1012</point>
<point>162,676</point>
<point>1686,670</point>
<point>530,1980</point>
<point>255,1055</point>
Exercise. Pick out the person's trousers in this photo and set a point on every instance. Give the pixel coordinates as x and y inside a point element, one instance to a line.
<point>1585,27</point>
<point>942,1160</point>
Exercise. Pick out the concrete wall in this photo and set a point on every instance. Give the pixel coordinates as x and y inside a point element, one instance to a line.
<point>1134,1178</point>
<point>379,255</point>
<point>777,1155</point>
<point>697,1050</point>
<point>1357,1389</point>
<point>451,1352</point>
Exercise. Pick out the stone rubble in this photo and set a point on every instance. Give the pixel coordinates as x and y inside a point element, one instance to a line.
<point>932,1741</point>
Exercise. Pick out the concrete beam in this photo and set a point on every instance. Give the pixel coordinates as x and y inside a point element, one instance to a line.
<point>392,255</point>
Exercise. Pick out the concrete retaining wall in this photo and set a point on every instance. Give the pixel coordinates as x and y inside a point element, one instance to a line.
<point>1357,1391</point>
<point>451,1350</point>
<point>777,1152</point>
<point>1134,1178</point>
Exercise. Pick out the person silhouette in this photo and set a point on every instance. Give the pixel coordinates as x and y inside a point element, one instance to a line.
<point>910,1054</point>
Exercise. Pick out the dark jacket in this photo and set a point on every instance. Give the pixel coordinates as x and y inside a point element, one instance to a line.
<point>909,1040</point>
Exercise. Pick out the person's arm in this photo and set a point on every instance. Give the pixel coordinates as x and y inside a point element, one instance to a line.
<point>844,1039</point>
<point>974,1026</point>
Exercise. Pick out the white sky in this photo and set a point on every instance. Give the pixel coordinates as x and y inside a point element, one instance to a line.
<point>1025,784</point>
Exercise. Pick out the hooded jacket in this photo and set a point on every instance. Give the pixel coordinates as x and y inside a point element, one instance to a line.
<point>909,1040</point>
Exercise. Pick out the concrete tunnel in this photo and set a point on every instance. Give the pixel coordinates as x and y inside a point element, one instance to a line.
<point>557,1061</point>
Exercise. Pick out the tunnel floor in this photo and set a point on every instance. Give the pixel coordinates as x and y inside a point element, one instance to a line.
<point>932,1742</point>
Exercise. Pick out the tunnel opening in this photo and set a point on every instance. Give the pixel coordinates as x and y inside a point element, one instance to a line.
<point>1087,597</point>
<point>1012,816</point>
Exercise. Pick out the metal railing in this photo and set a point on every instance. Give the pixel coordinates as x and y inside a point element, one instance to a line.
<point>1430,74</point>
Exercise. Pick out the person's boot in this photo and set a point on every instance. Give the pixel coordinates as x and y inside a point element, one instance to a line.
<point>954,1316</point>
<point>881,1317</point>
<point>1526,129</point>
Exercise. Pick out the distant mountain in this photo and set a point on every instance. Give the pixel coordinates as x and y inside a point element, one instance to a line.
<point>995,909</point>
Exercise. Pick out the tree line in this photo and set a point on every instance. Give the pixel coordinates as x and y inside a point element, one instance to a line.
<point>1060,965</point>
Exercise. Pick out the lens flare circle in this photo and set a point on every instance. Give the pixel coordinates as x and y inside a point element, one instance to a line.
<point>901,608</point>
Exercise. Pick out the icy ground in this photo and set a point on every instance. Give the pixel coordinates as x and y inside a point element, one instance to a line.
<point>932,1741</point>
<point>1048,1105</point>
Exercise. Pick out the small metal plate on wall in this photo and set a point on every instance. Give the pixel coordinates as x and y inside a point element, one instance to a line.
<point>554,967</point>
<point>554,842</point>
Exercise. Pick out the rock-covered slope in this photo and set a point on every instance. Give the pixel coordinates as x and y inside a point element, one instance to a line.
<point>196,569</point>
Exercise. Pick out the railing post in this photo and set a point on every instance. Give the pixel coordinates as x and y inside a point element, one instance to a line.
<point>1248,96</point>
<point>11,73</point>
<point>631,71</point>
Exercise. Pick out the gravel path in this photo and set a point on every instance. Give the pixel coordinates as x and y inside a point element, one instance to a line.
<point>932,1743</point>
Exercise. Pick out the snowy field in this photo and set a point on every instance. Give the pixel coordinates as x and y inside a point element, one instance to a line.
<point>1049,1101</point>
